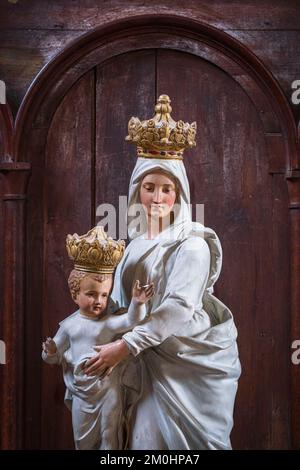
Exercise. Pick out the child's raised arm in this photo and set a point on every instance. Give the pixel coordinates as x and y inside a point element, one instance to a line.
<point>53,349</point>
<point>141,294</point>
<point>136,310</point>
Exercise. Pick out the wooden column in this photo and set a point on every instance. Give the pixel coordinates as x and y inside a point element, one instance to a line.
<point>293,178</point>
<point>14,178</point>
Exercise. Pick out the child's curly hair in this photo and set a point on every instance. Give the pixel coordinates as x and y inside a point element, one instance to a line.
<point>76,277</point>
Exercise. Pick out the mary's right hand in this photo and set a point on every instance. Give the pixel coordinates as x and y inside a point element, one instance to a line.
<point>107,357</point>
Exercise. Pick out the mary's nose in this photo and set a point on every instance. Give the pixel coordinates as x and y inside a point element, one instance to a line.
<point>157,196</point>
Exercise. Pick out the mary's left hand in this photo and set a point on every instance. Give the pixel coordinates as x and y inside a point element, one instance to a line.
<point>107,357</point>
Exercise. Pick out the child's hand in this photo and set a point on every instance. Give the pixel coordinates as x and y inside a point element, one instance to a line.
<point>49,346</point>
<point>142,294</point>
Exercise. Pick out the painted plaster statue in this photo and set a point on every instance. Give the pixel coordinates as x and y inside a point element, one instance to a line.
<point>95,401</point>
<point>184,353</point>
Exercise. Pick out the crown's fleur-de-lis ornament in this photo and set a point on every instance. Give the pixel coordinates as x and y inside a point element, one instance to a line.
<point>95,252</point>
<point>161,137</point>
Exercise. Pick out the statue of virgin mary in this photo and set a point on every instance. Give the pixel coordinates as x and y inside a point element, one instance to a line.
<point>182,371</point>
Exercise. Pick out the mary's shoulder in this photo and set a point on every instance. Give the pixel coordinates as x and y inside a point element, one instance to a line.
<point>194,247</point>
<point>194,242</point>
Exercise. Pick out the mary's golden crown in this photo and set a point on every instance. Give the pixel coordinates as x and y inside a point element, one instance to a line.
<point>95,252</point>
<point>161,137</point>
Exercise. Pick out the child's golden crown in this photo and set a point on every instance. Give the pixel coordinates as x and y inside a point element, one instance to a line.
<point>161,137</point>
<point>95,252</point>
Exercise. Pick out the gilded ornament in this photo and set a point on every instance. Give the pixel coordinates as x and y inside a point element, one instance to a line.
<point>161,137</point>
<point>94,251</point>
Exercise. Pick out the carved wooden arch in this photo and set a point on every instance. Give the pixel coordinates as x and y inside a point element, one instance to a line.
<point>53,82</point>
<point>137,33</point>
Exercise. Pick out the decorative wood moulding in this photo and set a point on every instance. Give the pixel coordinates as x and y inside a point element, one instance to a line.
<point>15,177</point>
<point>167,31</point>
<point>6,133</point>
<point>293,181</point>
<point>293,174</point>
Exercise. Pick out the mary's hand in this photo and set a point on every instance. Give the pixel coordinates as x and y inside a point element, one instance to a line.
<point>107,357</point>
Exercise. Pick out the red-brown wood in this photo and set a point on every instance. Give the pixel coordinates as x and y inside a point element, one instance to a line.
<point>6,155</point>
<point>281,307</point>
<point>224,14</point>
<point>32,34</point>
<point>6,133</point>
<point>114,156</point>
<point>14,180</point>
<point>229,174</point>
<point>133,29</point>
<point>67,201</point>
<point>293,178</point>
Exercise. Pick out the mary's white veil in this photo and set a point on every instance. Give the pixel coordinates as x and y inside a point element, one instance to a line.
<point>182,227</point>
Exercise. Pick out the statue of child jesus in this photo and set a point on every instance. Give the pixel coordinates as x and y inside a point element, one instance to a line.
<point>95,402</point>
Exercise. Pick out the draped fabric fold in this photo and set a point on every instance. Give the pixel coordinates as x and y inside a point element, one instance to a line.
<point>186,364</point>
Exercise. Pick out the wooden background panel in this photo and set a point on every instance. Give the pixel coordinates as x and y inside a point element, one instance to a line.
<point>125,88</point>
<point>68,193</point>
<point>86,14</point>
<point>228,173</point>
<point>34,295</point>
<point>23,54</point>
<point>281,308</point>
<point>32,34</point>
<point>1,267</point>
<point>277,50</point>
<point>5,149</point>
<point>2,322</point>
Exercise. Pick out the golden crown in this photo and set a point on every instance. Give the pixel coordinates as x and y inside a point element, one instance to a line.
<point>95,252</point>
<point>161,137</point>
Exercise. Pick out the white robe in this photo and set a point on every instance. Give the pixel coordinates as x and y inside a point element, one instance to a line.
<point>186,360</point>
<point>95,403</point>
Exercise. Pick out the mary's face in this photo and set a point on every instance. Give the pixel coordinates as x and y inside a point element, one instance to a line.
<point>157,194</point>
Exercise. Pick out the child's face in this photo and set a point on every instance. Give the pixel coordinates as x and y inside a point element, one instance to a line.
<point>93,296</point>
